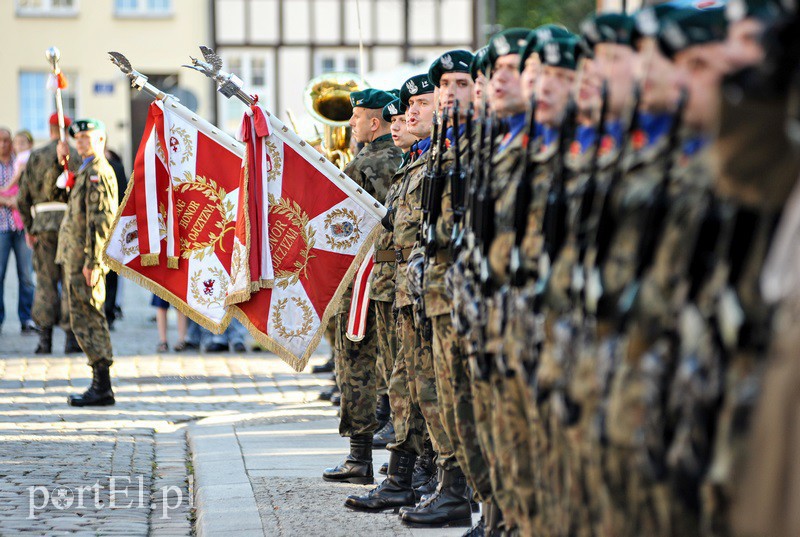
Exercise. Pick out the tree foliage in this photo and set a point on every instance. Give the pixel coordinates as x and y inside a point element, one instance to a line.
<point>533,13</point>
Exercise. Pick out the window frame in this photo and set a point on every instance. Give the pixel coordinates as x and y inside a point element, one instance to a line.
<point>47,10</point>
<point>141,11</point>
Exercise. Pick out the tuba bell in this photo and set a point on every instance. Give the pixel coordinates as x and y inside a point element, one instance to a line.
<point>327,100</point>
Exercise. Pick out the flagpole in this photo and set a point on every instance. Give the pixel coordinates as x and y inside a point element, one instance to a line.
<point>53,56</point>
<point>231,86</point>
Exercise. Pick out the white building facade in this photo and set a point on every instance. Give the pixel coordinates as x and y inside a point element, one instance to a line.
<point>277,46</point>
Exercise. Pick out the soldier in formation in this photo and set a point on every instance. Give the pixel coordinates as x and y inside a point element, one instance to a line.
<point>586,290</point>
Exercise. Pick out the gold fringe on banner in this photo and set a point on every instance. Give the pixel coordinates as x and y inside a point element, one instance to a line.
<point>148,260</point>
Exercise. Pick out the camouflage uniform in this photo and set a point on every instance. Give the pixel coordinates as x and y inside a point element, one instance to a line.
<point>84,231</point>
<point>38,186</point>
<point>512,471</point>
<point>452,373</point>
<point>372,169</point>
<point>382,290</point>
<point>407,401</point>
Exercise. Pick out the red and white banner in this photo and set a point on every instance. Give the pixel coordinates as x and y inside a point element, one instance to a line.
<point>174,230</point>
<point>359,304</point>
<point>320,227</point>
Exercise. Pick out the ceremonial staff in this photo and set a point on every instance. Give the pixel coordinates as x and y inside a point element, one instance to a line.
<point>58,82</point>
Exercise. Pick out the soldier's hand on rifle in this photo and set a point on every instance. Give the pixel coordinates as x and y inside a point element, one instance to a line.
<point>91,275</point>
<point>415,273</point>
<point>63,153</point>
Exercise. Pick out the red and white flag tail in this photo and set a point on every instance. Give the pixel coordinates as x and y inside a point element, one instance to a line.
<point>252,263</point>
<point>151,166</point>
<point>359,304</point>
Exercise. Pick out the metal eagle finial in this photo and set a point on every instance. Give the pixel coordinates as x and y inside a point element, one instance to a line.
<point>211,65</point>
<point>121,61</point>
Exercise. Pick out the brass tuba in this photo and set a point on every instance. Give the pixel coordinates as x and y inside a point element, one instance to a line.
<point>327,99</point>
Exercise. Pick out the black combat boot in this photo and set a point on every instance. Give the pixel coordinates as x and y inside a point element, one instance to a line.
<point>357,467</point>
<point>45,341</point>
<point>71,345</point>
<point>327,367</point>
<point>99,393</point>
<point>394,492</point>
<point>424,491</point>
<point>448,506</point>
<point>425,475</point>
<point>383,411</point>
<point>326,395</point>
<point>384,436</point>
<point>478,530</point>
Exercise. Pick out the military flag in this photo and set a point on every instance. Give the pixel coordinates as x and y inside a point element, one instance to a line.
<point>174,231</point>
<point>319,228</point>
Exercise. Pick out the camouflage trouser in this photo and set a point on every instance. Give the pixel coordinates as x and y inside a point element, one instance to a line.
<point>387,343</point>
<point>355,372</point>
<point>48,308</point>
<point>87,316</point>
<point>743,379</point>
<point>330,335</point>
<point>456,405</point>
<point>422,384</point>
<point>409,424</point>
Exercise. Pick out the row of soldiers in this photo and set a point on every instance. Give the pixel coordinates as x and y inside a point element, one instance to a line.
<point>567,305</point>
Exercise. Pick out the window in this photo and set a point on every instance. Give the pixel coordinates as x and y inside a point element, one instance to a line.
<point>329,61</point>
<point>258,72</point>
<point>254,68</point>
<point>143,8</point>
<point>47,8</point>
<point>36,102</point>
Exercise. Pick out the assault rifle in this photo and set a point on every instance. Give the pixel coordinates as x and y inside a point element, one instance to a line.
<point>428,185</point>
<point>522,201</point>
<point>554,223</point>
<point>457,176</point>
<point>588,197</point>
<point>435,190</point>
<point>484,232</point>
<point>606,222</point>
<point>653,216</point>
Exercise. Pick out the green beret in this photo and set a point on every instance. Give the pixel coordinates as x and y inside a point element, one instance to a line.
<point>510,41</point>
<point>395,92</point>
<point>371,98</point>
<point>416,85</point>
<point>766,10</point>
<point>478,63</point>
<point>650,19</point>
<point>686,28</point>
<point>455,61</point>
<point>563,52</point>
<point>545,32</point>
<point>394,108</point>
<point>616,28</point>
<point>86,125</point>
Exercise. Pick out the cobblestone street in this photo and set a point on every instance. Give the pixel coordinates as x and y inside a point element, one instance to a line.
<point>124,469</point>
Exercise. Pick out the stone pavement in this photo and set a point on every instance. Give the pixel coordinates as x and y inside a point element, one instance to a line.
<point>258,439</point>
